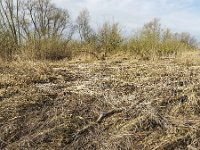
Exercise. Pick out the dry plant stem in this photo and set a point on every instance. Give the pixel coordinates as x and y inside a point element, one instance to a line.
<point>101,117</point>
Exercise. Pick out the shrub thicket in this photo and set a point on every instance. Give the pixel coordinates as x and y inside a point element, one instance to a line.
<point>152,40</point>
<point>109,38</point>
<point>50,49</point>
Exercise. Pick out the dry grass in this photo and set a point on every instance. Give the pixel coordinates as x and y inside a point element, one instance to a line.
<point>117,104</point>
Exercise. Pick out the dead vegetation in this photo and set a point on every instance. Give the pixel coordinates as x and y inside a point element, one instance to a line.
<point>118,104</point>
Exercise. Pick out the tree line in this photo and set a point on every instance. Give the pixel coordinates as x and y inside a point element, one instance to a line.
<point>39,29</point>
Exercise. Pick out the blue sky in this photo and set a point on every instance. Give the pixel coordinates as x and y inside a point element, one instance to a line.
<point>178,15</point>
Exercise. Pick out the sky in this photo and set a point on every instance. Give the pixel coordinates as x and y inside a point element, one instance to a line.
<point>178,15</point>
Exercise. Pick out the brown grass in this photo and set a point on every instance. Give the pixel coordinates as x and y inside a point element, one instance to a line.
<point>121,103</point>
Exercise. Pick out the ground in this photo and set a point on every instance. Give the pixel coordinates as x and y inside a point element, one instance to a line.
<point>117,104</point>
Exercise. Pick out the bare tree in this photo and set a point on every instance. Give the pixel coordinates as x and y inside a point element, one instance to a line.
<point>187,39</point>
<point>152,31</point>
<point>84,29</point>
<point>45,19</point>
<point>9,14</point>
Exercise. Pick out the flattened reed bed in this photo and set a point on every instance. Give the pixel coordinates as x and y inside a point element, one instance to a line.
<point>124,105</point>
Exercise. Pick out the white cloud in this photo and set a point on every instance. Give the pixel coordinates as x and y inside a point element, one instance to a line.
<point>181,15</point>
